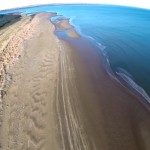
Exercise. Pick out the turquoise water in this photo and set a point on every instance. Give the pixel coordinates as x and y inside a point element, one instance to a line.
<point>124,32</point>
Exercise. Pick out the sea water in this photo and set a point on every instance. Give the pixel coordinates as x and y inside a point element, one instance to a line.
<point>122,33</point>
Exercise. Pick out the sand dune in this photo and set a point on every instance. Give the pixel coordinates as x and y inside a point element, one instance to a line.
<point>61,99</point>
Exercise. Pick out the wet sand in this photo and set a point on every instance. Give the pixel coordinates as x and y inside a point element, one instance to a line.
<point>63,24</point>
<point>72,33</point>
<point>61,98</point>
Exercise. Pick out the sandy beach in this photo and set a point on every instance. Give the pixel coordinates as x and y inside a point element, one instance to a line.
<point>58,97</point>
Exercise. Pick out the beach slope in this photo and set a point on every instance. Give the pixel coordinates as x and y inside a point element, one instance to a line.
<point>62,98</point>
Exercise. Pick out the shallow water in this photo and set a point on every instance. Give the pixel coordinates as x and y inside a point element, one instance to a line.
<point>124,32</point>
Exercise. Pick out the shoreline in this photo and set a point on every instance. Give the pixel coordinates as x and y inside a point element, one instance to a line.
<point>142,96</point>
<point>62,97</point>
<point>114,100</point>
<point>113,95</point>
<point>64,25</point>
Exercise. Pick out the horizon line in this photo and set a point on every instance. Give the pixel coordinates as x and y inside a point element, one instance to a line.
<point>36,5</point>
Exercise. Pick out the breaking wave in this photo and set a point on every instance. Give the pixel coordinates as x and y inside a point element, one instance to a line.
<point>127,77</point>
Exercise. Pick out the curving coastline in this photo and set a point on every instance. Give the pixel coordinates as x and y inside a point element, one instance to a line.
<point>61,96</point>
<point>121,76</point>
<point>109,90</point>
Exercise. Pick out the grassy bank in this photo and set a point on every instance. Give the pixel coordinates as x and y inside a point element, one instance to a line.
<point>6,20</point>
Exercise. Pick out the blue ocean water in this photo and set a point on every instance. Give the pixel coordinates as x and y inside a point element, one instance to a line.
<point>123,31</point>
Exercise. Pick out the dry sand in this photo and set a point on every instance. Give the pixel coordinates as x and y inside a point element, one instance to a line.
<point>63,99</point>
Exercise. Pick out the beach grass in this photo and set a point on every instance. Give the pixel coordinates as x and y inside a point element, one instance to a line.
<point>6,20</point>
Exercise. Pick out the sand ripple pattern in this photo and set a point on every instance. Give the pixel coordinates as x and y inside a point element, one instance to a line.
<point>42,105</point>
<point>13,50</point>
<point>23,31</point>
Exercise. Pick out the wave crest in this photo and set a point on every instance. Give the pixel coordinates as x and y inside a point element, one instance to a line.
<point>127,77</point>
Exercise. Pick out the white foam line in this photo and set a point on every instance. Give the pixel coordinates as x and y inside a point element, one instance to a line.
<point>134,85</point>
